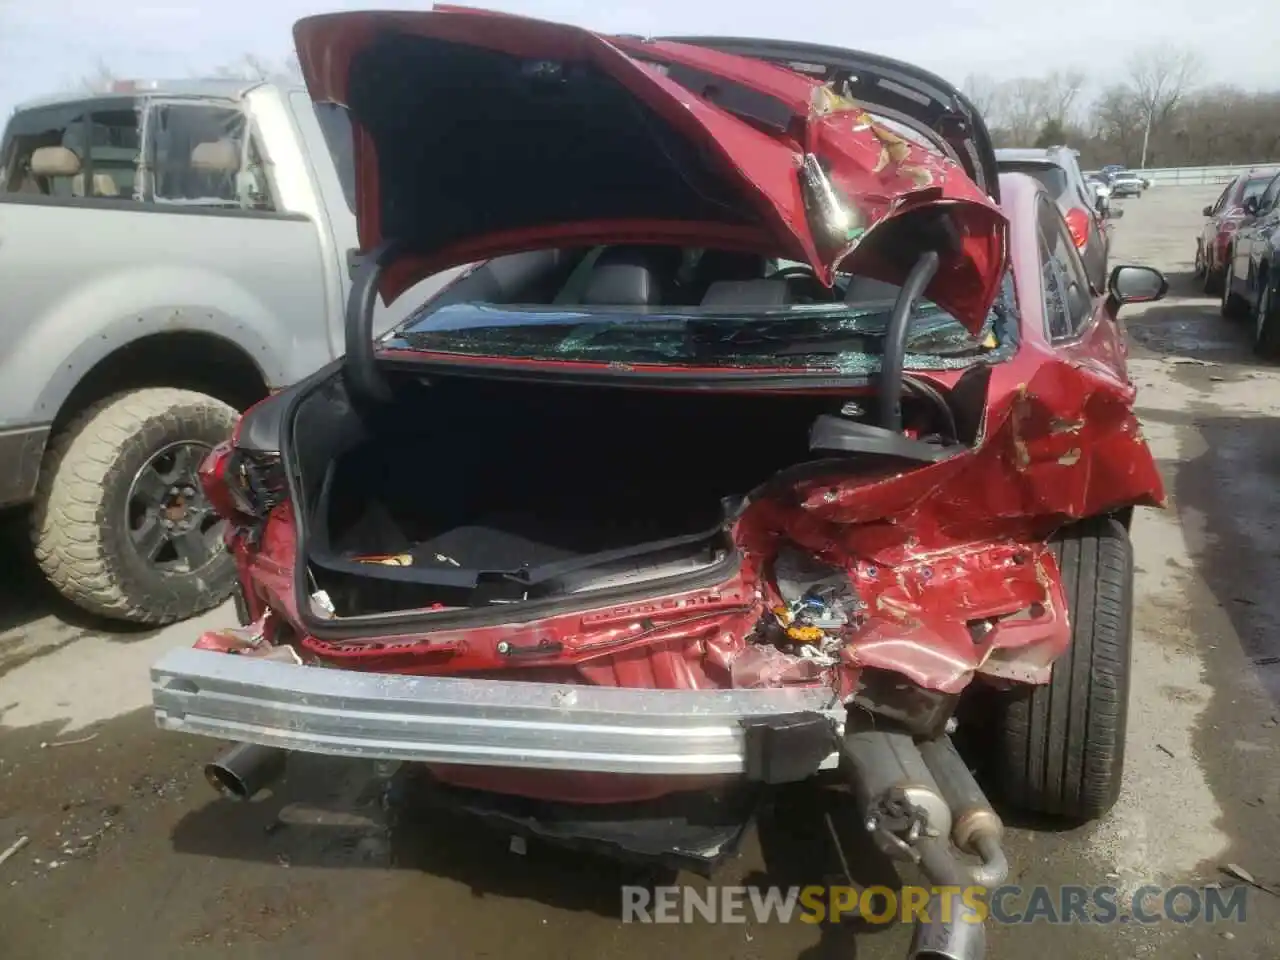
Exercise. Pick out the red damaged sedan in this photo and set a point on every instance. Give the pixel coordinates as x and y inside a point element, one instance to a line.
<point>766,432</point>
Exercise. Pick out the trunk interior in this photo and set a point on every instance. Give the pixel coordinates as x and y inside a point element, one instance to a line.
<point>492,491</point>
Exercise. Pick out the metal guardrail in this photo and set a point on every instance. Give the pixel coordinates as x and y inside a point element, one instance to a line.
<point>1197,176</point>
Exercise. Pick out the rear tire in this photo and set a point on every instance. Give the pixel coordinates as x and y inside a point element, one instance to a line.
<point>81,525</point>
<point>1266,326</point>
<point>1212,281</point>
<point>1234,306</point>
<point>1064,741</point>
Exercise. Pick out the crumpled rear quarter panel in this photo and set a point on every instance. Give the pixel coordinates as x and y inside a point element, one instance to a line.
<point>949,560</point>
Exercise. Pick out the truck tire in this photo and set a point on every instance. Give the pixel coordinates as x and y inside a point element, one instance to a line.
<point>1063,750</point>
<point>120,526</point>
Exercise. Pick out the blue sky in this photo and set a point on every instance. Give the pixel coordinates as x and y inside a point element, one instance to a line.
<point>48,45</point>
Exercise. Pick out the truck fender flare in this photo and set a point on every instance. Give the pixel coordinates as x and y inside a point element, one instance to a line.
<point>95,347</point>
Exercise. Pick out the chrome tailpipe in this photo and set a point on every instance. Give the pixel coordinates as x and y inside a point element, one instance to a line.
<point>921,804</point>
<point>245,769</point>
<point>952,930</point>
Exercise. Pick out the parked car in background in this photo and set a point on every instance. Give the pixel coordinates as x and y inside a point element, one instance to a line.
<point>169,254</point>
<point>1251,286</point>
<point>1225,216</point>
<point>1058,171</point>
<point>1102,190</point>
<point>680,494</point>
<point>1126,183</point>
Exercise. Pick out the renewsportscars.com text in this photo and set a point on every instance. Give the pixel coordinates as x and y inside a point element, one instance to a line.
<point>1008,904</point>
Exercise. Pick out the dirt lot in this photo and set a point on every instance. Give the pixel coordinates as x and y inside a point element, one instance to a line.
<point>131,856</point>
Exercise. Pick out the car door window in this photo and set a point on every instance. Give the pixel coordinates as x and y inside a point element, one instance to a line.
<point>1222,199</point>
<point>1067,299</point>
<point>1267,202</point>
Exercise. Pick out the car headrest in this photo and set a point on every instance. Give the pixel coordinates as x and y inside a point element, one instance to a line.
<point>630,276</point>
<point>865,289</point>
<point>746,293</point>
<point>216,156</point>
<point>54,162</point>
<point>717,265</point>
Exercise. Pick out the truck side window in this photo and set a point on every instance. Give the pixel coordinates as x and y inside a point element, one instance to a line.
<point>335,124</point>
<point>73,151</point>
<point>203,154</point>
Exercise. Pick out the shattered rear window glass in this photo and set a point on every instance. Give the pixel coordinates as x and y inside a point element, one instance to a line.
<point>845,339</point>
<point>197,152</point>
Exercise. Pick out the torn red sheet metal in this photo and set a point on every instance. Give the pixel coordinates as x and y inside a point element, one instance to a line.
<point>950,560</point>
<point>819,188</point>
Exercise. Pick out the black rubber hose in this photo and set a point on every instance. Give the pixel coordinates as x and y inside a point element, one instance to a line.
<point>895,343</point>
<point>360,365</point>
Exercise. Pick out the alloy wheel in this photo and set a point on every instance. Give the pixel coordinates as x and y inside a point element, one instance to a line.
<point>172,526</point>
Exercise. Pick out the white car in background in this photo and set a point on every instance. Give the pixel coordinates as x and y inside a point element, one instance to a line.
<point>1126,183</point>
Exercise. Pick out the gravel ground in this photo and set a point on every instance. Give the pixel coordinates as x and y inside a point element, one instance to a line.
<point>131,856</point>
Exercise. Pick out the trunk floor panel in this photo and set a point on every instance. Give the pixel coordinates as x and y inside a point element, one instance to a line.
<point>506,478</point>
<point>515,541</point>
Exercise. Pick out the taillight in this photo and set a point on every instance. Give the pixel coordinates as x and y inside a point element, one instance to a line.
<point>1078,224</point>
<point>240,482</point>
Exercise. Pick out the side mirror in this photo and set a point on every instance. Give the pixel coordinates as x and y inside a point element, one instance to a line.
<point>1208,211</point>
<point>1137,285</point>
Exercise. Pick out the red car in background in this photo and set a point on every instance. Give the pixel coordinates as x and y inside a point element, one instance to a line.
<point>1226,214</point>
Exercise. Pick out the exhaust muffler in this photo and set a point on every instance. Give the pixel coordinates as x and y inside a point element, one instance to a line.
<point>975,826</point>
<point>917,800</point>
<point>245,769</point>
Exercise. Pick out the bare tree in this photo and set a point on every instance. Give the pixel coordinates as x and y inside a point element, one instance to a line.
<point>1161,77</point>
<point>1118,119</point>
<point>251,66</point>
<point>1025,114</point>
<point>99,79</point>
<point>1061,91</point>
<point>988,96</point>
<point>1209,126</point>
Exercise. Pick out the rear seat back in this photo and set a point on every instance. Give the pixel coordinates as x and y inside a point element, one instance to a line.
<point>103,186</point>
<point>746,293</point>
<point>631,276</point>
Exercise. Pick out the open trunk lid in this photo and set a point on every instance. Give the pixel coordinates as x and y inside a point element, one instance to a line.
<point>482,134</point>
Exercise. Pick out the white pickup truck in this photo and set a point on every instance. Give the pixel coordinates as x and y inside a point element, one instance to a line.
<point>169,254</point>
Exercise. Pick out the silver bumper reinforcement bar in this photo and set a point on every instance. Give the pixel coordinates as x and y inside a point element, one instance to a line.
<point>498,723</point>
